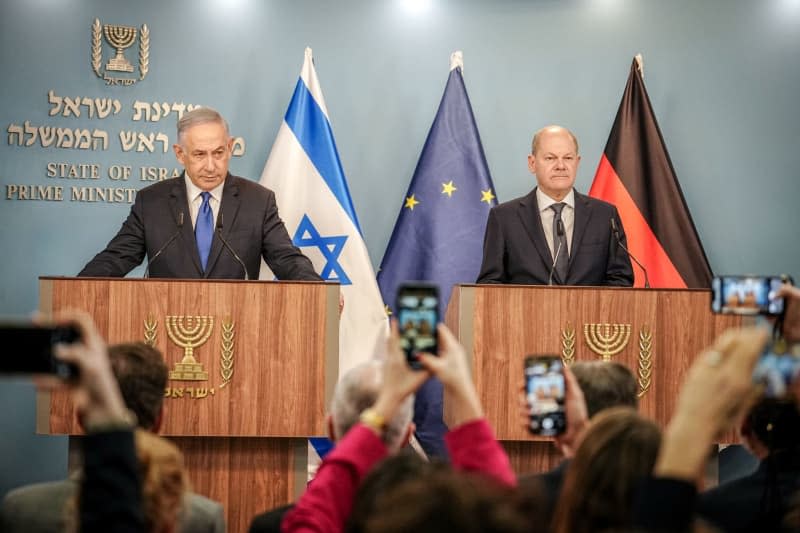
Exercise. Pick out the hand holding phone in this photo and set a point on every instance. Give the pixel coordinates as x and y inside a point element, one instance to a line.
<point>777,370</point>
<point>747,295</point>
<point>417,317</point>
<point>451,367</point>
<point>791,317</point>
<point>545,394</point>
<point>95,390</point>
<point>28,349</point>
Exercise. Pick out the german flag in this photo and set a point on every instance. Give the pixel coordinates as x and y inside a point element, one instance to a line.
<point>636,175</point>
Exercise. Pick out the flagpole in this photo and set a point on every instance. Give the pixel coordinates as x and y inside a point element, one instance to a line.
<point>639,64</point>
<point>457,60</point>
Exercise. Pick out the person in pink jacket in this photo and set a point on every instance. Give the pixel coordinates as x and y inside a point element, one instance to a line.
<point>327,502</point>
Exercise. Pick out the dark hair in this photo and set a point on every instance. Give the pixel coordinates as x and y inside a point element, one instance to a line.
<point>605,385</point>
<point>387,474</point>
<point>142,376</point>
<point>444,505</point>
<point>618,450</point>
<point>776,423</point>
<point>445,500</point>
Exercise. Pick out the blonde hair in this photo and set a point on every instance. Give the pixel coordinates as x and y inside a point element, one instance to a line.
<point>164,485</point>
<point>164,481</point>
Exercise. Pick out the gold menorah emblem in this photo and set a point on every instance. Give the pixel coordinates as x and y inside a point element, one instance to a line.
<point>120,37</point>
<point>607,340</point>
<point>189,332</point>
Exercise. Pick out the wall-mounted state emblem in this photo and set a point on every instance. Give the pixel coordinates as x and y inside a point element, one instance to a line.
<point>119,38</point>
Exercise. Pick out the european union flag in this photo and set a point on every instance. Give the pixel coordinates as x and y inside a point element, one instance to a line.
<point>438,236</point>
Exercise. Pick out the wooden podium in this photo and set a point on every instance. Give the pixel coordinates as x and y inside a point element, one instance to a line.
<point>654,332</point>
<point>252,368</point>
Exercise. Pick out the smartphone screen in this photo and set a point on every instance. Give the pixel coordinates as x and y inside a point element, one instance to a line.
<point>746,295</point>
<point>28,349</point>
<point>545,393</point>
<point>776,370</point>
<point>417,316</point>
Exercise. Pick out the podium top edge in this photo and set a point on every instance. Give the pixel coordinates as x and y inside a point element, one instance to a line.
<point>576,287</point>
<point>184,280</point>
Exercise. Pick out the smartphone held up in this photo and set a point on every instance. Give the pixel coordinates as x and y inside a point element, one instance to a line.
<point>28,349</point>
<point>747,295</point>
<point>417,310</point>
<point>545,394</point>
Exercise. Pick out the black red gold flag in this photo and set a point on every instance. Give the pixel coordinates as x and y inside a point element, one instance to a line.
<point>636,175</point>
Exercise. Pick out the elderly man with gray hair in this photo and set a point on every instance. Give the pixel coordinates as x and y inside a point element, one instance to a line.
<point>356,391</point>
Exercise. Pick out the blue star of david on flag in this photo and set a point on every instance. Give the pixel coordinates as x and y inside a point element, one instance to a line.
<point>331,247</point>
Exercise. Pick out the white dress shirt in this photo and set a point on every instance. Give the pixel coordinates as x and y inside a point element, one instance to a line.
<point>547,215</point>
<point>195,200</point>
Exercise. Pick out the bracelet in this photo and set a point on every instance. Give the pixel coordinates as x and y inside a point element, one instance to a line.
<point>373,420</point>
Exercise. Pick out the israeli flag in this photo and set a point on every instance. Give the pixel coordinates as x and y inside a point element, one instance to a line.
<point>304,170</point>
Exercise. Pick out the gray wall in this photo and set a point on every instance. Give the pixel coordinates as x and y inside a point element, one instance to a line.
<point>723,77</point>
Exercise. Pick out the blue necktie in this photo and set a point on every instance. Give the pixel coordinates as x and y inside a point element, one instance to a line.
<point>204,229</point>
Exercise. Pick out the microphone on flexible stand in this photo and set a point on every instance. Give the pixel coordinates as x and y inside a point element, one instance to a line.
<point>618,238</point>
<point>560,232</point>
<point>229,247</point>
<point>164,247</point>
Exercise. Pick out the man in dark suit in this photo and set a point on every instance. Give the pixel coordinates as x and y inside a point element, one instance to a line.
<point>554,235</point>
<point>177,223</point>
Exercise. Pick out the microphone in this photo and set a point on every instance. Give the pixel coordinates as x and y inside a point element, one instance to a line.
<point>560,232</point>
<point>618,238</point>
<point>164,247</point>
<point>228,246</point>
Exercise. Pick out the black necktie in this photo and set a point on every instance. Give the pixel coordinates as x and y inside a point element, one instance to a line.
<point>560,242</point>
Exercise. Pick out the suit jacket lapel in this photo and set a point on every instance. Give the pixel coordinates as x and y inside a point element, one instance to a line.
<point>532,222</point>
<point>583,212</point>
<point>226,217</point>
<point>179,203</point>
